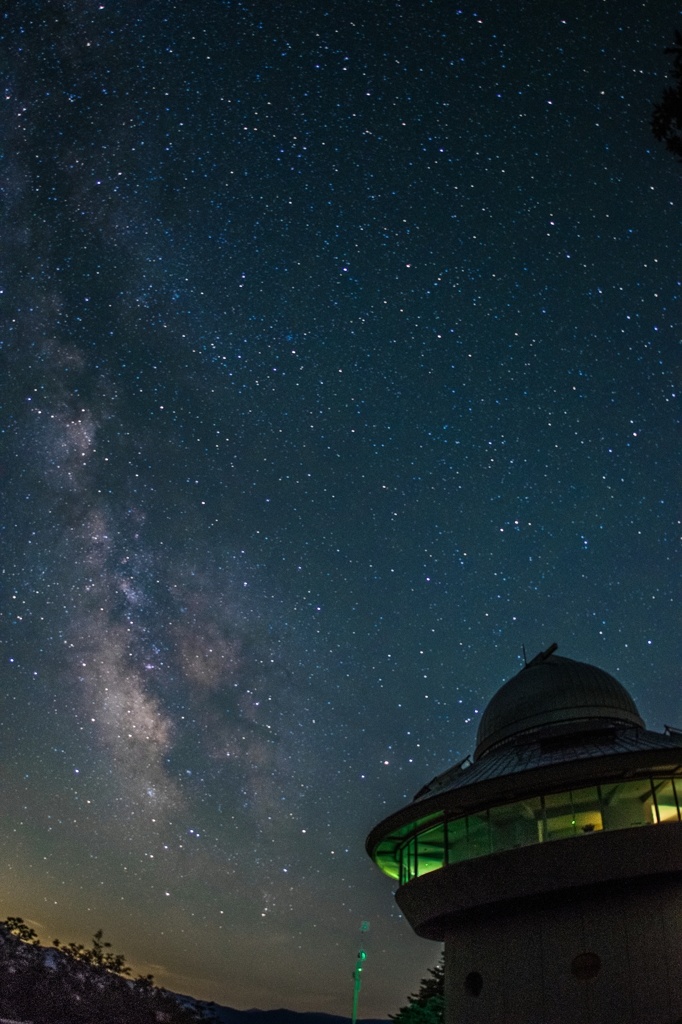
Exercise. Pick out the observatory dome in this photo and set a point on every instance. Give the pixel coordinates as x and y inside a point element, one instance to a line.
<point>551,692</point>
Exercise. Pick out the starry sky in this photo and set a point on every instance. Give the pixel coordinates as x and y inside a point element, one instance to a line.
<point>339,344</point>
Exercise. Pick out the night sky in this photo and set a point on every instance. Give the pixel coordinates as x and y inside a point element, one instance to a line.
<point>338,361</point>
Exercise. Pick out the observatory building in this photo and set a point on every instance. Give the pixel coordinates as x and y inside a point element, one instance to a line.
<point>550,865</point>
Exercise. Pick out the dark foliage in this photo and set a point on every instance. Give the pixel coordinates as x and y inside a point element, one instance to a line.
<point>427,1006</point>
<point>75,985</point>
<point>114,962</point>
<point>666,121</point>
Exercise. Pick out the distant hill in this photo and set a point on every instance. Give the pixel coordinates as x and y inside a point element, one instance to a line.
<point>42,985</point>
<point>226,1015</point>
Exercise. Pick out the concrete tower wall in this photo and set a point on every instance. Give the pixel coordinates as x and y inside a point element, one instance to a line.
<point>613,957</point>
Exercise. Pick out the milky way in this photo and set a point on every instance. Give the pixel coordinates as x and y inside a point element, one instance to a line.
<point>339,348</point>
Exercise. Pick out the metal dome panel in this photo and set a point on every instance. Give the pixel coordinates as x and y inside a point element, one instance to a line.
<point>553,691</point>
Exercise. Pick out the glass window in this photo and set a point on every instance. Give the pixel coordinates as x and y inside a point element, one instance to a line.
<point>536,820</point>
<point>665,808</point>
<point>431,849</point>
<point>559,822</point>
<point>405,854</point>
<point>478,834</point>
<point>627,804</point>
<point>457,841</point>
<point>389,863</point>
<point>414,862</point>
<point>408,860</point>
<point>677,787</point>
<point>515,824</point>
<point>587,815</point>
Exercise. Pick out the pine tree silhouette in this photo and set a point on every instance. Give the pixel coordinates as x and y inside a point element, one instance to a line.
<point>427,1006</point>
<point>666,120</point>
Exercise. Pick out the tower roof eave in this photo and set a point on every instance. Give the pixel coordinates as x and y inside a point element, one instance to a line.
<point>513,773</point>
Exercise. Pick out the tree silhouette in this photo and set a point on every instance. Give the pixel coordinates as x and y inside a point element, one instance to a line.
<point>17,926</point>
<point>666,120</point>
<point>76,985</point>
<point>114,962</point>
<point>427,1006</point>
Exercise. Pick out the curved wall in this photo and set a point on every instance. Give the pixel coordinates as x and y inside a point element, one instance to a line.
<point>611,957</point>
<point>436,903</point>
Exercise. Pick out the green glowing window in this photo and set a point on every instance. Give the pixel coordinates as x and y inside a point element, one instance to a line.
<point>458,847</point>
<point>435,841</point>
<point>431,849</point>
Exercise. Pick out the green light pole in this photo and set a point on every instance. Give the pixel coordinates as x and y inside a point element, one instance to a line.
<point>357,973</point>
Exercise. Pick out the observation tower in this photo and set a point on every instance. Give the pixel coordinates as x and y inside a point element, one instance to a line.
<point>540,862</point>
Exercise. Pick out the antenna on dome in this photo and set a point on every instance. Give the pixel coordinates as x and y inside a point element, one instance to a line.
<point>542,656</point>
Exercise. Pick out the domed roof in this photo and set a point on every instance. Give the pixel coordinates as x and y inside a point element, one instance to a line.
<point>553,691</point>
